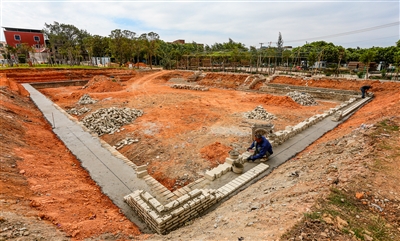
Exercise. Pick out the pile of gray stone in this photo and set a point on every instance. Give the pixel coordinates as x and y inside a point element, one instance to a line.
<point>259,113</point>
<point>86,99</point>
<point>125,142</point>
<point>190,87</point>
<point>109,120</point>
<point>78,112</point>
<point>302,98</point>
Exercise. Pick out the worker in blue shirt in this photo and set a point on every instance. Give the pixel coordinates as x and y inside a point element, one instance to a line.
<point>263,149</point>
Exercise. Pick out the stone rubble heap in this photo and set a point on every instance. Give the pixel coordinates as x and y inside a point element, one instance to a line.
<point>78,112</point>
<point>302,98</point>
<point>197,75</point>
<point>259,113</point>
<point>86,99</point>
<point>124,142</point>
<point>107,121</point>
<point>190,87</point>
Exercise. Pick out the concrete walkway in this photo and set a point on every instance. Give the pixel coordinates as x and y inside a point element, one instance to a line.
<point>115,178</point>
<point>118,179</point>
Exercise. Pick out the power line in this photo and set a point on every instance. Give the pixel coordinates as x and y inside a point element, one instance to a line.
<point>348,33</point>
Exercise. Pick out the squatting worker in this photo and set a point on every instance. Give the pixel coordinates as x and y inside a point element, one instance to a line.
<point>364,90</point>
<point>263,149</point>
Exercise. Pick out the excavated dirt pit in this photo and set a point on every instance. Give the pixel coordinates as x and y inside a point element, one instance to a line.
<point>183,133</point>
<point>46,195</point>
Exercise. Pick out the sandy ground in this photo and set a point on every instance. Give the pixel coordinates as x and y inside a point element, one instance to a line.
<point>182,134</point>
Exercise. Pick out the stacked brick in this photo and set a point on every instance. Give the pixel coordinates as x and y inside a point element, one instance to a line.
<point>279,137</point>
<point>165,218</point>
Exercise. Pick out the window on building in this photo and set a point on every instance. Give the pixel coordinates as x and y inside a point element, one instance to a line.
<point>17,37</point>
<point>36,38</point>
<point>37,46</point>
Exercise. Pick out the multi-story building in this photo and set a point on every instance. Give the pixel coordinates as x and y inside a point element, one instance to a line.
<point>17,36</point>
<point>32,37</point>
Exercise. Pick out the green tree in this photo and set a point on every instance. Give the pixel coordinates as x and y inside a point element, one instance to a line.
<point>122,45</point>
<point>151,43</point>
<point>366,58</point>
<point>65,40</point>
<point>11,54</point>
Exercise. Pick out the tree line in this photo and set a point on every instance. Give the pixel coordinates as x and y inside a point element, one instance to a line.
<point>68,44</point>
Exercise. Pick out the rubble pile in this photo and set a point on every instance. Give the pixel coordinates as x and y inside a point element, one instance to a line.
<point>190,87</point>
<point>86,99</point>
<point>196,76</point>
<point>124,142</point>
<point>259,113</point>
<point>78,112</point>
<point>302,98</point>
<point>108,121</point>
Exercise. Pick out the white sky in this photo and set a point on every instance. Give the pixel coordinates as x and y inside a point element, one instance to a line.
<point>210,22</point>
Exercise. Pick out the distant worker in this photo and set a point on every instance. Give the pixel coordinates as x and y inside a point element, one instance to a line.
<point>263,149</point>
<point>364,90</point>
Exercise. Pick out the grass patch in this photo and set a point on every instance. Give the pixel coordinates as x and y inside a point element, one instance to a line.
<point>313,216</point>
<point>341,200</point>
<point>341,204</point>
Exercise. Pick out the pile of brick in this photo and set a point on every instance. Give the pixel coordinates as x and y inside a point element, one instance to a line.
<point>86,99</point>
<point>78,112</point>
<point>190,87</point>
<point>107,121</point>
<point>302,98</point>
<point>259,113</point>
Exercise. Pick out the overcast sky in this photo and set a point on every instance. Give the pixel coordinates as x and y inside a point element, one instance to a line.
<point>349,23</point>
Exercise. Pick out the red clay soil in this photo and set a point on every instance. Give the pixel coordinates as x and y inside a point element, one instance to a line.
<point>386,100</point>
<point>42,179</point>
<point>179,126</point>
<point>182,132</point>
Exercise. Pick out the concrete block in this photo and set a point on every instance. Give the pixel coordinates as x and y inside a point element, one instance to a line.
<point>146,196</point>
<point>229,160</point>
<point>209,175</point>
<point>177,211</point>
<point>171,205</point>
<point>154,203</point>
<point>187,189</point>
<point>141,174</point>
<point>183,198</point>
<point>153,215</point>
<point>194,193</point>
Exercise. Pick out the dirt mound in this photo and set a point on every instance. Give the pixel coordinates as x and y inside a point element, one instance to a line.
<point>215,153</point>
<point>102,83</point>
<point>13,85</point>
<point>230,81</point>
<point>174,74</point>
<point>284,101</point>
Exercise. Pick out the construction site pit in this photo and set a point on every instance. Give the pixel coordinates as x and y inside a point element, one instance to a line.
<point>182,133</point>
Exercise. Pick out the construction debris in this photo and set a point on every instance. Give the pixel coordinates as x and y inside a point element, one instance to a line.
<point>86,99</point>
<point>190,87</point>
<point>108,121</point>
<point>125,142</point>
<point>78,112</point>
<point>302,98</point>
<point>197,75</point>
<point>259,113</point>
